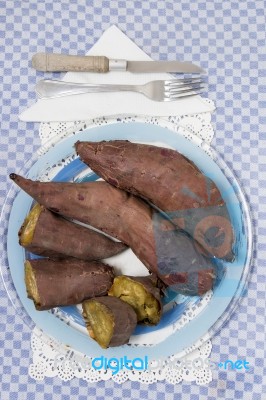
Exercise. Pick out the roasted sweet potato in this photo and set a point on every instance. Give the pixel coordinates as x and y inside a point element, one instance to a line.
<point>171,254</point>
<point>141,294</point>
<point>49,235</point>
<point>171,182</point>
<point>109,320</point>
<point>53,283</point>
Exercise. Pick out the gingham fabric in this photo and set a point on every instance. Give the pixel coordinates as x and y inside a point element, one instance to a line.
<point>227,38</point>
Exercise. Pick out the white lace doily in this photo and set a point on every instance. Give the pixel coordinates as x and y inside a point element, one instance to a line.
<point>51,358</point>
<point>196,125</point>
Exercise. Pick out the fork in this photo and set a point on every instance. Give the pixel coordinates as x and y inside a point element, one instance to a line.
<point>161,90</point>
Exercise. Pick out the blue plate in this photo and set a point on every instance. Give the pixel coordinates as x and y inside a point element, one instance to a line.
<point>226,295</point>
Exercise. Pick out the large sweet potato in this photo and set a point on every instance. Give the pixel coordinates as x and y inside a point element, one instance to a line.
<point>170,253</point>
<point>171,182</point>
<point>53,283</point>
<point>50,235</point>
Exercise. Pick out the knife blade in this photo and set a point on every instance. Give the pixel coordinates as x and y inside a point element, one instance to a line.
<point>50,62</point>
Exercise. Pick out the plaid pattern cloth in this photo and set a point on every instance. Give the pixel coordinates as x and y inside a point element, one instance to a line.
<point>228,40</point>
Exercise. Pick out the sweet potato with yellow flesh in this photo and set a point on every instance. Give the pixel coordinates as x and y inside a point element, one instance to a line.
<point>171,182</point>
<point>63,282</point>
<point>141,294</point>
<point>109,320</point>
<point>171,254</point>
<point>49,235</point>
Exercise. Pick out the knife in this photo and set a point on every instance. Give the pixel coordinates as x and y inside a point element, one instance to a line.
<point>49,62</point>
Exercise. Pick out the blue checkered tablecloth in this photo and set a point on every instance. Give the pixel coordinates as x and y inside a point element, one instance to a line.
<point>227,38</point>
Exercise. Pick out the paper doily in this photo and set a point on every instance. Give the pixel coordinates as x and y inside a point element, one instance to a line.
<point>196,125</point>
<point>51,358</point>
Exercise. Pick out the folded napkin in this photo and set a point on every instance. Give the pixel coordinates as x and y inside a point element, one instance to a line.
<point>113,44</point>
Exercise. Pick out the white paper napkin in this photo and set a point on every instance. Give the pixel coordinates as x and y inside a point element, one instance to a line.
<point>113,44</point>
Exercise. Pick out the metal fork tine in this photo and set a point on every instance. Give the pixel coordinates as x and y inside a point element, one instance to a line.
<point>185,90</point>
<point>185,93</point>
<point>178,81</point>
<point>184,83</point>
<point>186,87</point>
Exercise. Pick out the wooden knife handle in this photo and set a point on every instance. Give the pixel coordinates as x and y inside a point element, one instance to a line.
<point>49,62</point>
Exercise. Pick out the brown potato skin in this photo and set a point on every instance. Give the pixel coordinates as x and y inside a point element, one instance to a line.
<point>113,211</point>
<point>170,181</point>
<point>69,281</point>
<point>167,253</point>
<point>135,167</point>
<point>54,236</point>
<point>125,319</point>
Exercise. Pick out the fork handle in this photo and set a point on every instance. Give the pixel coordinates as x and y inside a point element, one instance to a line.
<point>51,88</point>
<point>49,62</point>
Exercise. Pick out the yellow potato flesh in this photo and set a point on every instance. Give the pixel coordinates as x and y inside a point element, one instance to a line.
<point>28,228</point>
<point>31,284</point>
<point>99,322</point>
<point>135,294</point>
